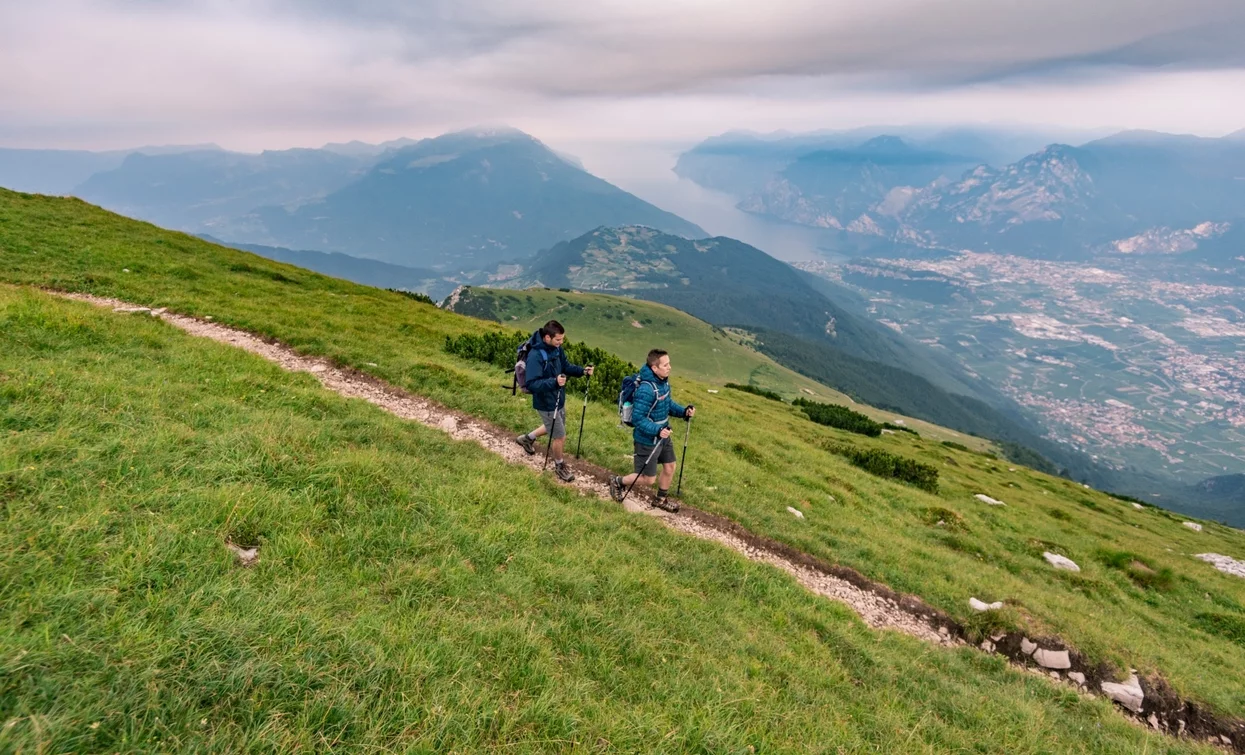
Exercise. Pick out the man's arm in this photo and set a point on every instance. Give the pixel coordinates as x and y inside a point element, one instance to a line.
<point>571,370</point>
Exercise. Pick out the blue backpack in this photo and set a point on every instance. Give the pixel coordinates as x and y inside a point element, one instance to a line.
<point>520,364</point>
<point>625,398</point>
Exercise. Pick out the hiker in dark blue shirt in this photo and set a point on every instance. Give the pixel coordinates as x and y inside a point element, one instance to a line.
<point>652,408</point>
<point>547,370</point>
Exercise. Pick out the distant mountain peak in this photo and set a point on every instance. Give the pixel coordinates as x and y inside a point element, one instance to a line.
<point>886,143</point>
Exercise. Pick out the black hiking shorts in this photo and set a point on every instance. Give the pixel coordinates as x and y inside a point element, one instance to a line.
<point>664,456</point>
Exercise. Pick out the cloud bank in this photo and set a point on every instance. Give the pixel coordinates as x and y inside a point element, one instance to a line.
<point>95,73</point>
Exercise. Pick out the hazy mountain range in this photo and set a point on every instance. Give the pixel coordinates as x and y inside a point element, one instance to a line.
<point>460,201</point>
<point>1059,201</point>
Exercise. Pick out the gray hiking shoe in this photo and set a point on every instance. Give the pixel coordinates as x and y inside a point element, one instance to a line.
<point>666,503</point>
<point>527,444</point>
<point>563,472</point>
<point>617,489</point>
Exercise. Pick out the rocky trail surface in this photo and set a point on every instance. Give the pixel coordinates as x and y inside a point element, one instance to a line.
<point>1148,701</point>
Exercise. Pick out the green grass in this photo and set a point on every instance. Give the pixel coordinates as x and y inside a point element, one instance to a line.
<point>412,593</point>
<point>749,459</point>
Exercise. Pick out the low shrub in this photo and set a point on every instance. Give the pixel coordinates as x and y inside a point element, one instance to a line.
<point>893,466</point>
<point>900,428</point>
<point>835,415</point>
<point>498,349</point>
<point>754,391</point>
<point>941,518</point>
<point>415,295</point>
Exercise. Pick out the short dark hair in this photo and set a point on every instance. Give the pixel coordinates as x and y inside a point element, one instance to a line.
<point>655,356</point>
<point>551,329</point>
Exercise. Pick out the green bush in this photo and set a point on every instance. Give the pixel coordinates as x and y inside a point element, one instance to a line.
<point>754,391</point>
<point>498,349</point>
<point>417,296</point>
<point>841,417</point>
<point>956,446</point>
<point>886,464</point>
<point>900,428</point>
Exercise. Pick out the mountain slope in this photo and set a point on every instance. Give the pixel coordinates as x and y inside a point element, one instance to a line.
<point>409,593</point>
<point>356,269</point>
<point>60,171</point>
<point>460,202</point>
<point>855,189</point>
<point>412,553</point>
<point>212,191</point>
<point>727,283</point>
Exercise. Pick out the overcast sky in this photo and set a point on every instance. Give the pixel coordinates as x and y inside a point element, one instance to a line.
<point>279,73</point>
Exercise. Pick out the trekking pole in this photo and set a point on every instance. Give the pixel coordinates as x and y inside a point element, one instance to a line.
<point>549,445</point>
<point>579,444</point>
<point>651,454</point>
<point>683,458</point>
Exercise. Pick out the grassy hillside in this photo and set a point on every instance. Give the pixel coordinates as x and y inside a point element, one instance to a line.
<point>411,593</point>
<point>394,561</point>
<point>630,327</point>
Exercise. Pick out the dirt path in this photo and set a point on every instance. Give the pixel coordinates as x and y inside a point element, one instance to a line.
<point>877,605</point>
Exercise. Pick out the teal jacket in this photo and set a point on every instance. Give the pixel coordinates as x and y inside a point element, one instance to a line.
<point>651,408</point>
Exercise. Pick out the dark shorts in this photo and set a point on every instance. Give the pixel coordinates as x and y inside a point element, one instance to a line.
<point>663,456</point>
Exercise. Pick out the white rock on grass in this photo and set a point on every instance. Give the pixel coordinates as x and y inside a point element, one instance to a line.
<point>1056,659</point>
<point>1128,694</point>
<point>1193,526</point>
<point>1060,562</point>
<point>798,514</point>
<point>1027,646</point>
<point>987,499</point>
<point>1138,506</point>
<point>1077,677</point>
<point>1225,564</point>
<point>979,606</point>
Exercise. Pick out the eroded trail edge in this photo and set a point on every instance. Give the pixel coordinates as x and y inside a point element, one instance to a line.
<point>1147,700</point>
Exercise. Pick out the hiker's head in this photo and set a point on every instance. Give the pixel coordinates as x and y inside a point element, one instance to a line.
<point>659,362</point>
<point>552,333</point>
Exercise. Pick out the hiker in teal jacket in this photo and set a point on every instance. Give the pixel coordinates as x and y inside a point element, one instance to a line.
<point>547,370</point>
<point>652,408</point>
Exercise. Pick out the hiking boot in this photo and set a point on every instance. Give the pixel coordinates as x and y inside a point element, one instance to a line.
<point>666,503</point>
<point>527,443</point>
<point>617,489</point>
<point>563,472</point>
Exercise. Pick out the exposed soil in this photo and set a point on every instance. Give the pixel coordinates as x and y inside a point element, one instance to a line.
<point>877,605</point>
